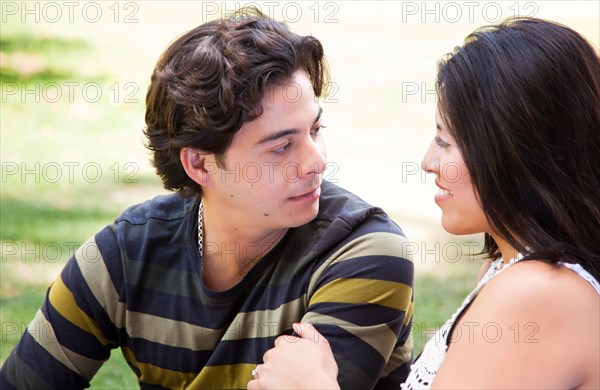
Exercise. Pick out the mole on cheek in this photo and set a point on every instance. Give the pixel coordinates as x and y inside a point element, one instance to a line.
<point>265,214</point>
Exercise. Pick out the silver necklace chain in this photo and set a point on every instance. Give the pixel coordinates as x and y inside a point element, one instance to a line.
<point>200,227</point>
<point>201,230</point>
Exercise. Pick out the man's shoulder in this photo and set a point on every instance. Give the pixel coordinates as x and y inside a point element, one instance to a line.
<point>339,203</point>
<point>164,218</point>
<point>165,207</point>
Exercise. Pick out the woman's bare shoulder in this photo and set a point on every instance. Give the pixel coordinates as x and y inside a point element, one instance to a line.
<point>534,282</point>
<point>540,320</point>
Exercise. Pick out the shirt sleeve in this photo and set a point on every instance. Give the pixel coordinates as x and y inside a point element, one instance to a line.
<point>361,300</point>
<point>72,333</point>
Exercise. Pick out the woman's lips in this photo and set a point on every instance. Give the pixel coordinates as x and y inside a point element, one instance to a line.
<point>442,194</point>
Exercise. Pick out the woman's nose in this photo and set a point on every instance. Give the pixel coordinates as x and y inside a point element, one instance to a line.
<point>431,162</point>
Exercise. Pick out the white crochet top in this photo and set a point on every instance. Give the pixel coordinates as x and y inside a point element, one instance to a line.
<point>426,367</point>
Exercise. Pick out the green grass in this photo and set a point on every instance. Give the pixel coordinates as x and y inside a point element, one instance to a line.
<point>437,298</point>
<point>50,200</point>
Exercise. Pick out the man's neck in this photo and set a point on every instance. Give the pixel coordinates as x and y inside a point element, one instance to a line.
<point>230,250</point>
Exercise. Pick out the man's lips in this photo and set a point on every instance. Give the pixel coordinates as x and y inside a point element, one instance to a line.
<point>310,195</point>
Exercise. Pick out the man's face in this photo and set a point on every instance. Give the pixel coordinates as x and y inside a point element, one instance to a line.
<point>273,168</point>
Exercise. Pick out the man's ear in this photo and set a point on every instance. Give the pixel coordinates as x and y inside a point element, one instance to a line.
<point>198,165</point>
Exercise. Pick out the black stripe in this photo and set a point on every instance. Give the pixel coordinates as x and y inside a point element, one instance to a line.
<point>361,354</point>
<point>391,381</point>
<point>168,357</point>
<point>75,338</point>
<point>354,378</point>
<point>178,308</point>
<point>246,351</point>
<point>378,267</point>
<point>146,386</point>
<point>46,366</point>
<point>5,384</point>
<point>16,373</point>
<point>106,240</point>
<point>165,247</point>
<point>362,314</point>
<point>279,294</point>
<point>377,222</point>
<point>87,301</point>
<point>166,280</point>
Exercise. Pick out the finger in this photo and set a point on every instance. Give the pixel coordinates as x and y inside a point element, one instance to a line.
<point>308,332</point>
<point>256,371</point>
<point>266,355</point>
<point>302,329</point>
<point>254,383</point>
<point>286,339</point>
<point>279,340</point>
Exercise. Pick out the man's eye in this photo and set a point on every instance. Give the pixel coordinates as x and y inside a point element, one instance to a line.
<point>281,149</point>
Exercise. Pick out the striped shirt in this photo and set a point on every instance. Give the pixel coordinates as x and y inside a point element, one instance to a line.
<point>137,286</point>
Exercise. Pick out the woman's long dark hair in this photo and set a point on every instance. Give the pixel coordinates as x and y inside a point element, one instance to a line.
<point>522,101</point>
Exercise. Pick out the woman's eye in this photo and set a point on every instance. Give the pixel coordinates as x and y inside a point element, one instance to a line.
<point>441,143</point>
<point>317,129</point>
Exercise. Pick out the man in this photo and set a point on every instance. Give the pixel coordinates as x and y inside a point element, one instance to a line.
<point>195,286</point>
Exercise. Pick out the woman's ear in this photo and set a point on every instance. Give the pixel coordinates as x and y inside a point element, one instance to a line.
<point>196,166</point>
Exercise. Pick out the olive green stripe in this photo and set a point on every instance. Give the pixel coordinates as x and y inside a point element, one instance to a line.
<point>372,244</point>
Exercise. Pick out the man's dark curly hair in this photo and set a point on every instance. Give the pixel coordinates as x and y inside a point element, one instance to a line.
<point>212,79</point>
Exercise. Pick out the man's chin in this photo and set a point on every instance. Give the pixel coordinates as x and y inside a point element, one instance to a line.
<point>307,217</point>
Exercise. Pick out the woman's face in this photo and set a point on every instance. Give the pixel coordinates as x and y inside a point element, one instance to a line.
<point>461,211</point>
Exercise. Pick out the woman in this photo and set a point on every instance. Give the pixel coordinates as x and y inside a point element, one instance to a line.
<point>519,119</point>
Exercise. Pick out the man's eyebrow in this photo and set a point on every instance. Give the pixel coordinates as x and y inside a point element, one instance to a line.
<point>277,135</point>
<point>286,132</point>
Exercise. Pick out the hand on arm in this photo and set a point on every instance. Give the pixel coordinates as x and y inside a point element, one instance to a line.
<point>304,362</point>
<point>362,303</point>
